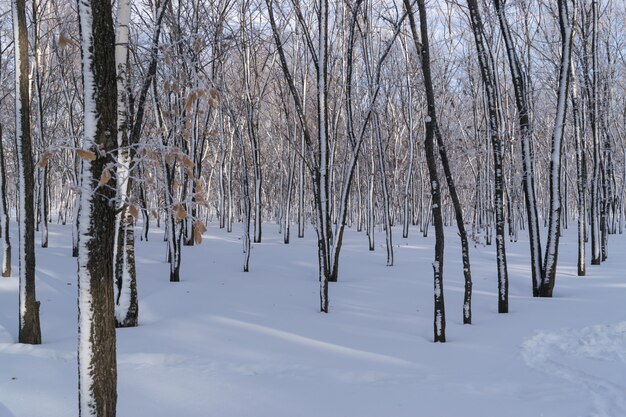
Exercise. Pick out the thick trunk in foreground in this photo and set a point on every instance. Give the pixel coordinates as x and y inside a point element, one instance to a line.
<point>29,328</point>
<point>97,377</point>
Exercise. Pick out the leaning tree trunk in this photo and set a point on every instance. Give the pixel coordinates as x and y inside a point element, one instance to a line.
<point>29,328</point>
<point>554,220</point>
<point>523,114</point>
<point>489,82</point>
<point>97,377</point>
<point>439,324</point>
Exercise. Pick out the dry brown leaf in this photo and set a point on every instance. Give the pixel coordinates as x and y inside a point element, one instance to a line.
<point>200,226</point>
<point>104,178</point>
<point>190,101</point>
<point>64,40</point>
<point>85,154</point>
<point>213,93</point>
<point>197,237</point>
<point>169,158</point>
<point>198,229</point>
<point>44,159</point>
<point>133,211</point>
<point>213,103</point>
<point>179,212</point>
<point>199,197</point>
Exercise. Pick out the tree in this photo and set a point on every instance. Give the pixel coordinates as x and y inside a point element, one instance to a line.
<point>4,215</point>
<point>97,377</point>
<point>29,328</point>
<point>439,323</point>
<point>518,78</point>
<point>487,70</point>
<point>554,221</point>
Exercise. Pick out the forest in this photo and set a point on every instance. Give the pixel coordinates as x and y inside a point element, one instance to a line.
<point>267,179</point>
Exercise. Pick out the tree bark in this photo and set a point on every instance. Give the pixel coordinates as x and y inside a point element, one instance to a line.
<point>439,323</point>
<point>96,349</point>
<point>29,327</point>
<point>554,221</point>
<point>4,215</point>
<point>485,61</point>
<point>523,114</point>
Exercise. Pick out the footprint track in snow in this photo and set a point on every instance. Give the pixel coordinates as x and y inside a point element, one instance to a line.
<point>563,353</point>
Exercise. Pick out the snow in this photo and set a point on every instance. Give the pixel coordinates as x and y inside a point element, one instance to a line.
<point>223,342</point>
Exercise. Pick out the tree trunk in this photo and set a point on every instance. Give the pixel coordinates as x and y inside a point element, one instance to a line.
<point>29,328</point>
<point>528,182</point>
<point>485,61</point>
<point>97,377</point>
<point>594,203</point>
<point>581,175</point>
<point>4,215</point>
<point>554,221</point>
<point>439,324</point>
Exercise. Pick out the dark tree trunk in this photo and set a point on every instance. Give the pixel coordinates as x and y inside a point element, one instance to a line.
<point>523,111</point>
<point>4,213</point>
<point>126,274</point>
<point>29,328</point>
<point>485,61</point>
<point>439,323</point>
<point>594,119</point>
<point>581,175</point>
<point>96,351</point>
<point>558,140</point>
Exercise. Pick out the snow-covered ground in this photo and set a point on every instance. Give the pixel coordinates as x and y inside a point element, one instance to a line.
<point>232,344</point>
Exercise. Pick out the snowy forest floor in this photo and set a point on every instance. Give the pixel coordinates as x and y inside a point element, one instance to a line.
<point>232,344</point>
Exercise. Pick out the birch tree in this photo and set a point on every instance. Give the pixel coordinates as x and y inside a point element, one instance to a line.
<point>519,80</point>
<point>29,327</point>
<point>423,47</point>
<point>487,70</point>
<point>97,369</point>
<point>554,221</point>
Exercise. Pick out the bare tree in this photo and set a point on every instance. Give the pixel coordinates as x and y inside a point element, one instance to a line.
<point>29,327</point>
<point>97,376</point>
